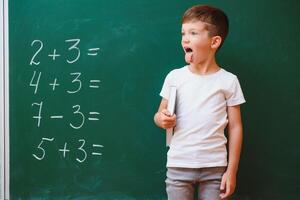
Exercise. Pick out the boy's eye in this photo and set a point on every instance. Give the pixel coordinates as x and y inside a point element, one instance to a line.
<point>194,33</point>
<point>182,33</point>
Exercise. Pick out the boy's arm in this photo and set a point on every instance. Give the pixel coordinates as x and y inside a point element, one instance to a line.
<point>235,133</point>
<point>163,104</point>
<point>162,117</point>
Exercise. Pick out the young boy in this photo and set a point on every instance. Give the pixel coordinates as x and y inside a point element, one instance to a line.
<point>208,99</point>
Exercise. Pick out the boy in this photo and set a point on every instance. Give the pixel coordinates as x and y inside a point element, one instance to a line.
<point>208,99</point>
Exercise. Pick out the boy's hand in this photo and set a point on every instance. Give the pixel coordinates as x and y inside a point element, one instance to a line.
<point>165,120</point>
<point>228,184</point>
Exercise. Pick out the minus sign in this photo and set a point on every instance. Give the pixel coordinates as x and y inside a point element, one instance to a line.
<point>96,153</point>
<point>93,81</point>
<point>56,117</point>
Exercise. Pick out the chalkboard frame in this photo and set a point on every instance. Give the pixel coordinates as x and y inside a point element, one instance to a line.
<point>2,104</point>
<point>4,108</point>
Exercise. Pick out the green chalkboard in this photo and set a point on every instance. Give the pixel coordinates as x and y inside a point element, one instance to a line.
<point>84,79</point>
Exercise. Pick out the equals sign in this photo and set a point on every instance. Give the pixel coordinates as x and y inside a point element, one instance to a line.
<point>93,118</point>
<point>93,51</point>
<point>96,153</point>
<point>93,83</point>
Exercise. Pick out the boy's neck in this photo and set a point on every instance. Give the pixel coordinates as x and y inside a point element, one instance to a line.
<point>208,66</point>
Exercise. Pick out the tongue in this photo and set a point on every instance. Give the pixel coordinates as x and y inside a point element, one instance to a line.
<point>189,57</point>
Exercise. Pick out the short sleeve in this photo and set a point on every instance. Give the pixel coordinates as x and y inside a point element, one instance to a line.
<point>166,87</point>
<point>234,95</point>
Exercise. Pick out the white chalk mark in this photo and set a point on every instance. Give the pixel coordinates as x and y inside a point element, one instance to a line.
<point>64,150</point>
<point>94,86</point>
<point>93,51</point>
<point>48,139</point>
<point>81,149</point>
<point>93,83</point>
<point>97,145</point>
<point>93,119</point>
<point>32,62</point>
<point>77,75</point>
<point>97,153</point>
<point>80,114</point>
<point>39,116</point>
<point>54,55</point>
<point>42,149</point>
<point>94,113</point>
<point>54,84</point>
<point>56,117</point>
<point>75,48</point>
<point>36,85</point>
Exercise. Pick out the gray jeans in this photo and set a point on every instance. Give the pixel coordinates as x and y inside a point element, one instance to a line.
<point>181,183</point>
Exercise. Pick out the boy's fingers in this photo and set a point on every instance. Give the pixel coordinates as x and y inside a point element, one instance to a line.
<point>222,187</point>
<point>169,123</point>
<point>166,112</point>
<point>168,119</point>
<point>223,196</point>
<point>169,126</point>
<point>226,193</point>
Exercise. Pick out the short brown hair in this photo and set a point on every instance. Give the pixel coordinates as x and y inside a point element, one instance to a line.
<point>216,20</point>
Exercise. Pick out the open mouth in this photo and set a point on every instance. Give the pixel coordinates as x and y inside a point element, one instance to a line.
<point>188,54</point>
<point>188,50</point>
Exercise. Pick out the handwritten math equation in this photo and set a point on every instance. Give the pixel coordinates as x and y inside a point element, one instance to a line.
<point>78,118</point>
<point>81,155</point>
<point>72,55</point>
<point>92,116</point>
<point>76,82</point>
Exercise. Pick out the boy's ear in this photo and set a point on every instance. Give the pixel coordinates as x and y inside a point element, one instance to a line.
<point>216,42</point>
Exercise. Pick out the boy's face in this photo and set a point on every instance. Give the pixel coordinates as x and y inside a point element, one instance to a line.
<point>196,42</point>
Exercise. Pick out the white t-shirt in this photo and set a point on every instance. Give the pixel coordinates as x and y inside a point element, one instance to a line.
<point>201,116</point>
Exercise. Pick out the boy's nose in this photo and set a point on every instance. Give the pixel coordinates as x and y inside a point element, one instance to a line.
<point>185,39</point>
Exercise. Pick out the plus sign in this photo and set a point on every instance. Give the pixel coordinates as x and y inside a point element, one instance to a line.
<point>54,55</point>
<point>64,150</point>
<point>54,84</point>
